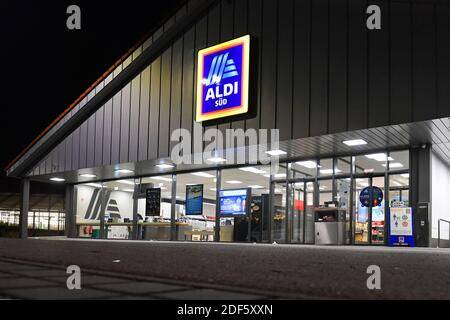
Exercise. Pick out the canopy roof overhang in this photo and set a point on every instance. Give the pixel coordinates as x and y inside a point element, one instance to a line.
<point>395,137</point>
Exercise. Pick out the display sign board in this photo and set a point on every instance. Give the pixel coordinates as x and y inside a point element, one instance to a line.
<point>194,199</point>
<point>401,227</point>
<point>371,193</point>
<point>153,202</point>
<point>234,202</point>
<point>223,80</point>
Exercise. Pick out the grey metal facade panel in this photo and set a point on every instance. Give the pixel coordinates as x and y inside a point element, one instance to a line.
<point>176,92</point>
<point>319,67</point>
<point>254,23</point>
<point>134,118</point>
<point>337,85</point>
<point>319,71</point>
<point>154,109</point>
<point>400,66</point>
<point>424,62</point>
<point>284,70</point>
<point>107,133</point>
<point>144,114</point>
<point>378,71</point>
<point>357,66</point>
<point>125,124</point>
<point>443,61</point>
<point>187,103</point>
<point>269,43</point>
<point>115,132</point>
<point>165,104</point>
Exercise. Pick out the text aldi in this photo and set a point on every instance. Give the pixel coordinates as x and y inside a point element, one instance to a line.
<point>222,80</point>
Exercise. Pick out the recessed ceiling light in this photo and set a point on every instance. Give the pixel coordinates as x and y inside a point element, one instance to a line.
<point>165,166</point>
<point>213,189</point>
<point>216,159</point>
<point>329,171</point>
<point>253,170</point>
<point>353,143</point>
<point>276,152</point>
<point>88,175</point>
<point>161,179</point>
<point>394,165</point>
<point>307,164</point>
<point>131,183</point>
<point>55,179</point>
<point>203,174</point>
<point>116,188</point>
<point>256,187</point>
<point>233,182</point>
<point>369,170</point>
<point>124,171</point>
<point>380,157</point>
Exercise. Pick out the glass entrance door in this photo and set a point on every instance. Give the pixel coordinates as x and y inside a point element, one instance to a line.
<point>293,212</point>
<point>369,224</point>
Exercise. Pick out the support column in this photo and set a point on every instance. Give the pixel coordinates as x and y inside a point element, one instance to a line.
<point>24,207</point>
<point>218,186</point>
<point>420,194</point>
<point>135,234</point>
<point>69,231</point>
<point>103,233</point>
<point>173,225</point>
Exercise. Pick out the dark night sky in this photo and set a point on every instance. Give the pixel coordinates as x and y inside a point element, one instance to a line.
<point>45,66</point>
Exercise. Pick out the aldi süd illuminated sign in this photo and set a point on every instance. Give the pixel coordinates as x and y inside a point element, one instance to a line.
<point>222,80</point>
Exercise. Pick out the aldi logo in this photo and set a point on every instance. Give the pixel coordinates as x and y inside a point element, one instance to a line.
<point>222,80</point>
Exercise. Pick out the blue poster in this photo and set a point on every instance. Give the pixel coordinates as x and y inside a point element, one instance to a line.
<point>194,200</point>
<point>233,202</point>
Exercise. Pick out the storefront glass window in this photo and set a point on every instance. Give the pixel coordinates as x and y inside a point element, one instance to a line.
<point>196,206</point>
<point>399,190</point>
<point>343,166</point>
<point>154,208</point>
<point>88,206</point>
<point>326,168</point>
<point>371,163</point>
<point>304,169</point>
<point>399,161</point>
<point>257,179</point>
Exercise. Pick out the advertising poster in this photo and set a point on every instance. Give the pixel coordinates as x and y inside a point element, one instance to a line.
<point>153,202</point>
<point>194,200</point>
<point>233,202</point>
<point>401,222</point>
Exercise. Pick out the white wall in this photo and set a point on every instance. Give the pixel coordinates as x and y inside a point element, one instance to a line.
<point>440,196</point>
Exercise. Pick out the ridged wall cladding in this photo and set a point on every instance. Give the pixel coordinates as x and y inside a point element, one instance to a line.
<point>320,70</point>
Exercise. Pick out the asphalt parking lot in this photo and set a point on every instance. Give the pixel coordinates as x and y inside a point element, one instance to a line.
<point>219,271</point>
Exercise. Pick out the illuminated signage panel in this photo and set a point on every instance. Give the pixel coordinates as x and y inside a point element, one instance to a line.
<point>222,80</point>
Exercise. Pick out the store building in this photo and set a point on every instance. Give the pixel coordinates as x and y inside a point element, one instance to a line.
<point>363,118</point>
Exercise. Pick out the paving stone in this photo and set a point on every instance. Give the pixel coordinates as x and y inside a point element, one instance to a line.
<point>42,273</point>
<point>17,282</point>
<point>208,294</point>
<point>58,293</point>
<point>139,287</point>
<point>90,280</point>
